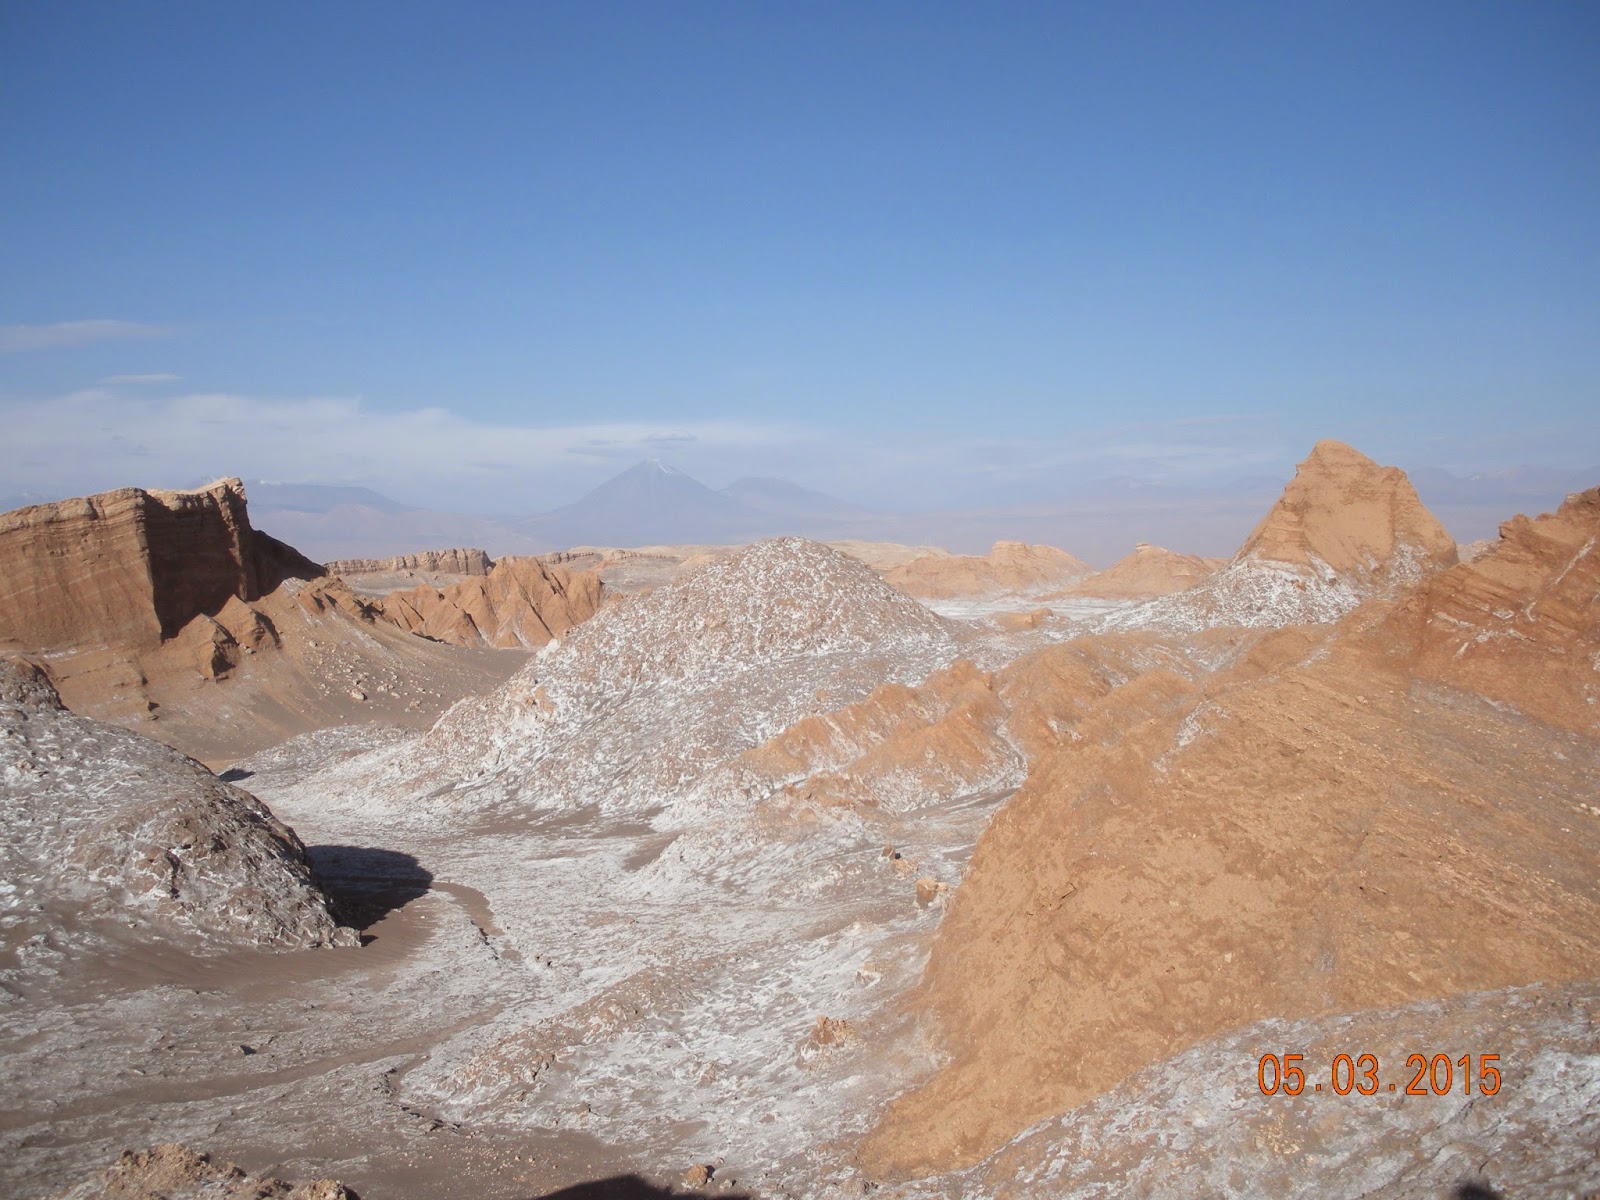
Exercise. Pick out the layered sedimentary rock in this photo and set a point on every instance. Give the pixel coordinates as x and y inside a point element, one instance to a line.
<point>1009,567</point>
<point>146,601</point>
<point>460,561</point>
<point>132,566</point>
<point>97,823</point>
<point>1394,808</point>
<point>520,602</point>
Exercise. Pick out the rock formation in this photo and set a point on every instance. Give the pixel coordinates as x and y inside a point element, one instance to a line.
<point>101,824</point>
<point>1344,514</point>
<point>1148,571</point>
<point>174,1172</point>
<point>680,679</point>
<point>1010,567</point>
<point>520,602</point>
<point>961,731</point>
<point>146,601</point>
<point>132,566</point>
<point>885,556</point>
<point>441,562</point>
<point>1384,810</point>
<point>1344,530</point>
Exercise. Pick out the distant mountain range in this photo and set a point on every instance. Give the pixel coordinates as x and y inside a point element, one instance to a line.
<point>653,503</point>
<point>650,503</point>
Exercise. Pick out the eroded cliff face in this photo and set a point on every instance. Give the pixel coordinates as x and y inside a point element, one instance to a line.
<point>458,561</point>
<point>168,612</point>
<point>521,602</point>
<point>132,566</point>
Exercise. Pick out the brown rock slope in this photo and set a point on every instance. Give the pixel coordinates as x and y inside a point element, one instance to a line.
<point>963,730</point>
<point>1398,807</point>
<point>521,602</point>
<point>1148,571</point>
<point>1008,567</point>
<point>99,824</point>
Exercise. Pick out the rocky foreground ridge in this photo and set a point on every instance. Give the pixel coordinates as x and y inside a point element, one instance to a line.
<point>100,824</point>
<point>175,1172</point>
<point>1392,808</point>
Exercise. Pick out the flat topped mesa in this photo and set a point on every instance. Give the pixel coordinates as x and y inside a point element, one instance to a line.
<point>455,561</point>
<point>132,565</point>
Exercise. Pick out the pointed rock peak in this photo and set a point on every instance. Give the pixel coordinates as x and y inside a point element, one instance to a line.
<point>1334,454</point>
<point>1344,514</point>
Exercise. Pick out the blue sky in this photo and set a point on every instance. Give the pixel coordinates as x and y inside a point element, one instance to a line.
<point>924,253</point>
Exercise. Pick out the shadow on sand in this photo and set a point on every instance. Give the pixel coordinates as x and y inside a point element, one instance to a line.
<point>628,1187</point>
<point>365,883</point>
<point>1474,1191</point>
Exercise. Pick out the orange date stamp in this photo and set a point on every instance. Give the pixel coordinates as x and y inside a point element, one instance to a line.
<point>1438,1075</point>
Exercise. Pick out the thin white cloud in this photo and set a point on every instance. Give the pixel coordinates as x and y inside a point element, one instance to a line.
<point>106,436</point>
<point>136,380</point>
<point>116,435</point>
<point>15,339</point>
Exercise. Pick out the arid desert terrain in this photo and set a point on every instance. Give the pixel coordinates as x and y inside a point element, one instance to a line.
<point>796,869</point>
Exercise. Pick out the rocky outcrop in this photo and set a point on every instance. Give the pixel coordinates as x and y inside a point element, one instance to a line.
<point>1345,530</point>
<point>1520,623</point>
<point>686,676</point>
<point>1197,1124</point>
<point>1148,571</point>
<point>441,562</point>
<point>1344,513</point>
<point>146,601</point>
<point>97,823</point>
<point>1010,567</point>
<point>1391,809</point>
<point>174,1172</point>
<point>132,566</point>
<point>520,602</point>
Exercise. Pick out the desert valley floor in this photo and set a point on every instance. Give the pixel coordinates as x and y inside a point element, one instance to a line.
<point>798,870</point>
